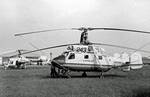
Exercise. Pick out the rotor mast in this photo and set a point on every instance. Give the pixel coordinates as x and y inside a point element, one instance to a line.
<point>84,36</point>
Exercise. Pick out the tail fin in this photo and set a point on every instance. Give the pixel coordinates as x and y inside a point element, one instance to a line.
<point>136,61</point>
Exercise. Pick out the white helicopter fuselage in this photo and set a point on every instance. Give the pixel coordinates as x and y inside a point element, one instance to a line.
<point>10,64</point>
<point>16,63</point>
<point>87,62</point>
<point>92,58</point>
<point>85,58</point>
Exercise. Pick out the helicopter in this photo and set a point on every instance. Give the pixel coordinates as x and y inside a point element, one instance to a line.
<point>89,57</point>
<point>16,62</point>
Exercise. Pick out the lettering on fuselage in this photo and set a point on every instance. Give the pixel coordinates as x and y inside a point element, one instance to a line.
<point>82,49</point>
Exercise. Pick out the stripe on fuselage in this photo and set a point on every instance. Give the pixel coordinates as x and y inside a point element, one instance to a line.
<point>86,67</point>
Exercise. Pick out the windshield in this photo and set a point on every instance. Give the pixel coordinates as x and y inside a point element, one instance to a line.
<point>10,62</point>
<point>65,53</point>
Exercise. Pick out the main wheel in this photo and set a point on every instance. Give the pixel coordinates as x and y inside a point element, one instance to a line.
<point>84,74</point>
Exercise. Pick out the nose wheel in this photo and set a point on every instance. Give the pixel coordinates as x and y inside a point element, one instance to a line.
<point>84,74</point>
<point>101,75</point>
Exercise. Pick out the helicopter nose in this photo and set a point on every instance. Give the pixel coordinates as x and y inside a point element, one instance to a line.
<point>60,59</point>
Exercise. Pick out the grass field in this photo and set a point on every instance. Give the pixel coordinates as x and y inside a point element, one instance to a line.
<point>35,82</point>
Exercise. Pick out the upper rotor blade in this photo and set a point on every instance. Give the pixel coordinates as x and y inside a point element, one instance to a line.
<point>81,29</point>
<point>119,30</point>
<point>33,32</point>
<point>121,47</point>
<point>57,46</point>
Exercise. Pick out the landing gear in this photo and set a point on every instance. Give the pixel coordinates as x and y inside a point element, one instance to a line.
<point>23,66</point>
<point>84,74</point>
<point>5,67</point>
<point>101,75</point>
<point>57,72</point>
<point>65,73</point>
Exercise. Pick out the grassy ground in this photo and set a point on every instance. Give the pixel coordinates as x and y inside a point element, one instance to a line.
<point>35,82</point>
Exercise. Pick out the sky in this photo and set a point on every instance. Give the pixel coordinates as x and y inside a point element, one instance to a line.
<point>18,16</point>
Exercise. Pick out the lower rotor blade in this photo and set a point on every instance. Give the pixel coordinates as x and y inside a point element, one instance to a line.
<point>58,46</point>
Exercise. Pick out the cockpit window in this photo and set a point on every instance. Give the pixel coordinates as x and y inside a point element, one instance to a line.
<point>11,62</point>
<point>65,53</point>
<point>72,56</point>
<point>86,56</point>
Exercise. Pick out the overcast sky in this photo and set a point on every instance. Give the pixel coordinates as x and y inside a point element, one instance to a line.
<point>17,16</point>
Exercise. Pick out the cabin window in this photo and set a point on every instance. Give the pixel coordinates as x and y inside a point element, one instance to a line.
<point>72,56</point>
<point>100,57</point>
<point>90,48</point>
<point>86,56</point>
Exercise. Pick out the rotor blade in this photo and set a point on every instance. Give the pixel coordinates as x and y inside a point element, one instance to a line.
<point>33,32</point>
<point>57,46</point>
<point>121,47</point>
<point>81,29</point>
<point>35,47</point>
<point>119,30</point>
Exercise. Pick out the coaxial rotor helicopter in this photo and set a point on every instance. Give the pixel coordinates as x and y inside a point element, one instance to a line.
<point>87,56</point>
